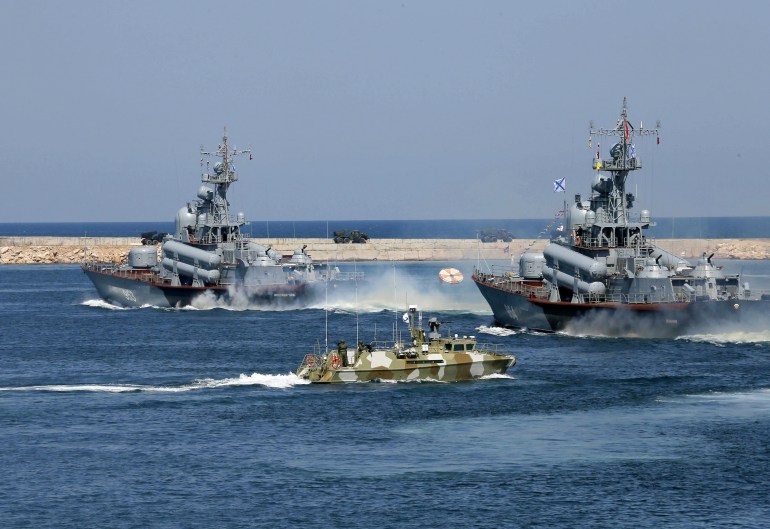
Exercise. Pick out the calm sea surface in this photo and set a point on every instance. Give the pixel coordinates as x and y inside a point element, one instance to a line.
<point>192,419</point>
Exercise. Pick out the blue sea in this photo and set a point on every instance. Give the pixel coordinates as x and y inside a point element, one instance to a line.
<point>138,418</point>
<point>665,228</point>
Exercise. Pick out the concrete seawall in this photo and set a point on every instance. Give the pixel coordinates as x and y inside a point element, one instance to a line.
<point>69,250</point>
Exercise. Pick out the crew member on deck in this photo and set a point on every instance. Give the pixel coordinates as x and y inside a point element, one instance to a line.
<point>342,349</point>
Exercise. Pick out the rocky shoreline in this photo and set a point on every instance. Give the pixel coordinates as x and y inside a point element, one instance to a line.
<point>73,250</point>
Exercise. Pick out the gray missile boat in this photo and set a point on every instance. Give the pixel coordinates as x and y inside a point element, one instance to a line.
<point>603,275</point>
<point>208,255</point>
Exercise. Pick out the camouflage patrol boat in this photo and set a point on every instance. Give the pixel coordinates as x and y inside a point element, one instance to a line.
<point>208,255</point>
<point>426,357</point>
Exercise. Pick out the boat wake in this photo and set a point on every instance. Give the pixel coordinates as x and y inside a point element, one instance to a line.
<point>733,405</point>
<point>493,376</point>
<point>496,331</point>
<point>498,376</point>
<point>735,337</point>
<point>754,396</point>
<point>393,289</point>
<point>203,302</point>
<point>412,381</point>
<point>101,304</point>
<point>255,379</point>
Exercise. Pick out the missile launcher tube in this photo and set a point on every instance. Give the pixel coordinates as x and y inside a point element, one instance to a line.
<point>187,270</point>
<point>570,261</point>
<point>596,288</point>
<point>190,254</point>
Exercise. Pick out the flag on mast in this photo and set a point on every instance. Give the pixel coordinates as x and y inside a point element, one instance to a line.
<point>560,186</point>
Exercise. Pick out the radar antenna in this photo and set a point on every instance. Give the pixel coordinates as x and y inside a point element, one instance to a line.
<point>217,226</point>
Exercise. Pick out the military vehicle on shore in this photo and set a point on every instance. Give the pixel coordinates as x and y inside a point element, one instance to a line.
<point>495,235</point>
<point>354,236</point>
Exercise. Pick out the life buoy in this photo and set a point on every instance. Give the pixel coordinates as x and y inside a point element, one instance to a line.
<point>577,240</point>
<point>310,361</point>
<point>336,362</point>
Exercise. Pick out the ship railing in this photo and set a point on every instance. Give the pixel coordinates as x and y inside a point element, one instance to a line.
<point>636,298</point>
<point>388,344</point>
<point>598,242</point>
<point>680,296</point>
<point>494,348</point>
<point>311,361</point>
<point>510,281</point>
<point>346,276</point>
<point>757,293</point>
<point>621,164</point>
<point>496,272</point>
<point>315,359</point>
<point>98,267</point>
<point>589,242</point>
<point>116,271</point>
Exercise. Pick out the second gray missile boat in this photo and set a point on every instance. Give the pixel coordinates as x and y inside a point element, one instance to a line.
<point>605,276</point>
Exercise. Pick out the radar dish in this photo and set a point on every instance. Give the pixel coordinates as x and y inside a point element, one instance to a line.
<point>451,276</point>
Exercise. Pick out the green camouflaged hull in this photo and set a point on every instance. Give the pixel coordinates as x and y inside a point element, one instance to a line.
<point>426,357</point>
<point>384,365</point>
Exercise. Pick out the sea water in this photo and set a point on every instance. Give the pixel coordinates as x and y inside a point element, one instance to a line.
<point>193,418</point>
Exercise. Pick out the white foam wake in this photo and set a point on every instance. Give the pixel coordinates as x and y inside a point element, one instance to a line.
<point>203,302</point>
<point>496,331</point>
<point>737,337</point>
<point>255,379</point>
<point>495,376</point>
<point>733,405</point>
<point>755,396</point>
<point>101,304</point>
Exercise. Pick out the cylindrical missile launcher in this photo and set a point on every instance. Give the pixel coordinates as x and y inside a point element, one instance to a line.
<point>191,255</point>
<point>595,288</point>
<point>571,262</point>
<point>184,269</point>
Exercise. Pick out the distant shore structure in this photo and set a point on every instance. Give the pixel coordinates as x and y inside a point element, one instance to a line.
<point>666,228</point>
<point>71,250</point>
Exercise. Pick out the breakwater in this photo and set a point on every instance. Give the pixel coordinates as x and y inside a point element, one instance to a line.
<point>73,250</point>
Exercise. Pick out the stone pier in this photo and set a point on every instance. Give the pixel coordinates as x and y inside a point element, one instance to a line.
<point>71,250</point>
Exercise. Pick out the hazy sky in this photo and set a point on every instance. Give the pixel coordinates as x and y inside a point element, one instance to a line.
<point>377,109</point>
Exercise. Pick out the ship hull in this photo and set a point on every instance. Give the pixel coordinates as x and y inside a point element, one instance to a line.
<point>457,372</point>
<point>512,310</point>
<point>451,368</point>
<point>127,291</point>
<point>515,310</point>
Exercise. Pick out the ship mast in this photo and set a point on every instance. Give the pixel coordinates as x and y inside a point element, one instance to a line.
<point>218,225</point>
<point>623,161</point>
<point>610,201</point>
